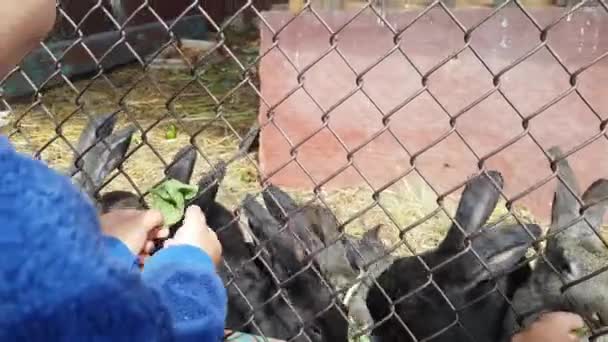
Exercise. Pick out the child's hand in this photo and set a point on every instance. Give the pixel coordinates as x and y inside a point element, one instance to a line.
<point>137,229</point>
<point>195,232</point>
<point>554,327</point>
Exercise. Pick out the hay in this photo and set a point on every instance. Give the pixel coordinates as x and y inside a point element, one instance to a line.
<point>157,99</point>
<point>398,207</point>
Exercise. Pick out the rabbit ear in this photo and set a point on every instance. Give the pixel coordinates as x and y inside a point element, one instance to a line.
<point>369,247</point>
<point>96,129</point>
<point>565,204</point>
<point>286,254</point>
<point>104,157</point>
<point>314,220</point>
<point>373,234</point>
<point>259,218</point>
<point>501,248</point>
<point>596,200</point>
<point>118,147</point>
<point>315,226</point>
<point>209,185</point>
<point>250,143</point>
<point>279,203</point>
<point>372,243</point>
<point>477,202</point>
<point>251,140</point>
<point>182,165</point>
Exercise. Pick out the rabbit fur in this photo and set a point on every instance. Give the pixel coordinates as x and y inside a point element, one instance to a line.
<point>447,294</point>
<point>341,258</point>
<point>255,303</point>
<point>573,250</point>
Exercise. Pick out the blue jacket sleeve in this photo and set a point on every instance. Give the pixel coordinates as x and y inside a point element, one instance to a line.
<point>120,254</point>
<point>186,280</point>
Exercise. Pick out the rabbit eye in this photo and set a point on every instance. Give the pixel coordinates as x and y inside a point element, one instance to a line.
<point>316,332</point>
<point>564,266</point>
<point>570,270</point>
<point>485,282</point>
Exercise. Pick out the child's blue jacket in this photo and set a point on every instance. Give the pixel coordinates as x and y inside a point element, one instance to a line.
<point>62,280</point>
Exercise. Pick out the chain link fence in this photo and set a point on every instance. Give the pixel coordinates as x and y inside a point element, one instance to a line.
<point>381,261</point>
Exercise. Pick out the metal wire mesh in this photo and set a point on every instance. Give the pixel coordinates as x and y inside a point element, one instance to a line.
<point>304,276</point>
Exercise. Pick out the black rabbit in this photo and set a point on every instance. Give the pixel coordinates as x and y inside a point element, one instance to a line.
<point>573,251</point>
<point>257,303</point>
<point>98,152</point>
<point>341,258</point>
<point>447,294</point>
<point>296,285</point>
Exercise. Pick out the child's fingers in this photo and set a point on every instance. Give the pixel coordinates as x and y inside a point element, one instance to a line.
<point>149,247</point>
<point>169,242</point>
<point>158,233</point>
<point>142,258</point>
<point>566,320</point>
<point>152,219</point>
<point>194,218</point>
<point>196,232</point>
<point>195,210</point>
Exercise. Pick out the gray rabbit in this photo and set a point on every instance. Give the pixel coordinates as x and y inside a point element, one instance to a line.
<point>460,290</point>
<point>341,258</point>
<point>99,151</point>
<point>573,250</point>
<point>296,285</point>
